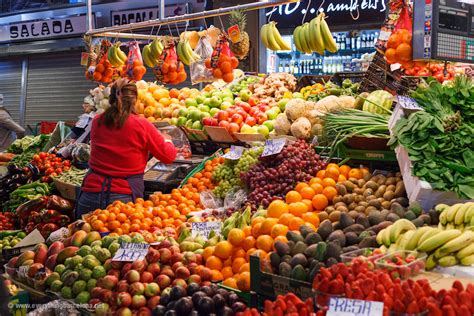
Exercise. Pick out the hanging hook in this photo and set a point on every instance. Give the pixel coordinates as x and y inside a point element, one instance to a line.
<point>320,7</point>
<point>357,16</point>
<point>271,13</point>
<point>306,12</point>
<point>205,23</point>
<point>222,24</point>
<point>151,33</point>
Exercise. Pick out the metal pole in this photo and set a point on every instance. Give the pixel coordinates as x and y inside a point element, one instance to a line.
<point>189,17</point>
<point>89,15</point>
<point>162,9</point>
<point>24,82</point>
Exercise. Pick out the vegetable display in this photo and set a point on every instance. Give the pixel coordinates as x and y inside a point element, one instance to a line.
<point>28,143</point>
<point>24,193</point>
<point>73,176</point>
<point>439,140</point>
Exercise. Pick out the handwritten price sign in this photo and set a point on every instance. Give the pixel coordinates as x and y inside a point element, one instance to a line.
<point>205,228</point>
<point>408,103</point>
<point>131,252</point>
<point>347,307</point>
<point>234,153</point>
<point>273,146</point>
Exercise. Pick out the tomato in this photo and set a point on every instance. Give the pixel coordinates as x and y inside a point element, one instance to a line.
<point>67,163</point>
<point>54,174</point>
<point>423,73</point>
<point>45,179</point>
<point>52,156</point>
<point>58,170</point>
<point>49,171</point>
<point>66,168</point>
<point>439,76</point>
<point>47,165</point>
<point>43,155</point>
<point>55,165</point>
<point>57,159</point>
<point>36,158</point>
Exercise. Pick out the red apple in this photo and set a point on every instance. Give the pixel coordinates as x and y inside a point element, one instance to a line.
<point>146,277</point>
<point>237,118</point>
<point>234,128</point>
<point>253,110</point>
<point>224,124</point>
<point>138,301</point>
<point>124,299</point>
<point>222,115</point>
<point>144,311</point>
<point>242,113</point>
<point>122,286</point>
<point>250,120</point>
<point>231,111</point>
<point>182,272</point>
<point>194,278</point>
<point>153,301</point>
<point>262,118</point>
<point>165,255</point>
<point>153,255</point>
<point>245,106</point>
<point>163,281</point>
<point>179,282</point>
<point>123,311</point>
<point>154,268</point>
<point>136,288</point>
<point>114,272</point>
<point>252,101</point>
<point>139,266</point>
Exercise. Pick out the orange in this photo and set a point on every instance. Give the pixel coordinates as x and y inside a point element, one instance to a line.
<point>214,263</point>
<point>259,253</point>
<point>355,173</point>
<point>321,174</point>
<point>207,252</point>
<point>250,252</point>
<point>227,262</point>
<point>227,272</point>
<point>317,187</point>
<point>309,204</point>
<point>332,165</point>
<point>279,230</point>
<point>267,225</point>
<point>307,193</point>
<point>247,230</point>
<point>249,242</point>
<point>285,219</point>
<point>237,264</point>
<point>390,55</point>
<point>243,281</point>
<point>298,208</point>
<point>404,52</point>
<point>300,186</point>
<point>332,172</point>
<point>216,276</point>
<point>236,236</point>
<point>315,180</point>
<point>245,267</point>
<point>257,220</point>
<point>230,282</point>
<point>320,201</point>
<point>238,253</point>
<point>329,182</point>
<point>97,224</point>
<point>330,193</point>
<point>311,217</point>
<point>295,223</point>
<point>341,178</point>
<point>293,196</point>
<point>394,40</point>
<point>256,229</point>
<point>277,208</point>
<point>223,249</point>
<point>344,170</point>
<point>406,38</point>
<point>280,238</point>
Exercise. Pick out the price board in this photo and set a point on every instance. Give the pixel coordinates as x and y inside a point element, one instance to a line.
<point>131,252</point>
<point>340,306</point>
<point>205,228</point>
<point>234,153</point>
<point>408,103</point>
<point>273,146</point>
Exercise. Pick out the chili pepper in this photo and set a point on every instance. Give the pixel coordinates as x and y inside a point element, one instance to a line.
<point>412,308</point>
<point>448,310</point>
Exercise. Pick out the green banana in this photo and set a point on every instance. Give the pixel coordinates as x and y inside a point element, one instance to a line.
<point>146,56</point>
<point>303,36</point>
<point>467,261</point>
<point>413,242</point>
<point>156,48</point>
<point>111,56</point>
<point>430,262</point>
<point>318,37</point>
<point>296,39</point>
<point>467,251</point>
<point>458,243</point>
<point>400,226</point>
<point>448,261</point>
<point>438,240</point>
<point>441,207</point>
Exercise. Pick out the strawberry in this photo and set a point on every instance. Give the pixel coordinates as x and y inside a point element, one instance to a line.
<point>412,308</point>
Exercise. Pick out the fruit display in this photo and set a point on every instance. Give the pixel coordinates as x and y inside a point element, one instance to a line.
<point>314,36</point>
<point>241,48</point>
<point>50,165</point>
<point>222,61</point>
<point>289,304</point>
<point>244,83</point>
<point>272,38</point>
<point>116,56</point>
<point>11,240</point>
<point>202,180</point>
<point>152,52</point>
<point>402,264</point>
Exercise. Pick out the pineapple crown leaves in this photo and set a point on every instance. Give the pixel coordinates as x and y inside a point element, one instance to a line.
<point>238,17</point>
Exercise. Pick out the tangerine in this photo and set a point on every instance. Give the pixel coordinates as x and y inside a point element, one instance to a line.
<point>330,193</point>
<point>236,236</point>
<point>285,219</point>
<point>321,174</point>
<point>214,263</point>
<point>300,186</point>
<point>320,201</point>
<point>237,264</point>
<point>223,249</point>
<point>295,223</point>
<point>329,182</point>
<point>309,204</point>
<point>312,218</point>
<point>248,243</point>
<point>243,281</point>
<point>293,196</point>
<point>404,52</point>
<point>279,230</point>
<point>277,208</point>
<point>355,173</point>
<point>307,193</point>
<point>332,172</point>
<point>298,208</point>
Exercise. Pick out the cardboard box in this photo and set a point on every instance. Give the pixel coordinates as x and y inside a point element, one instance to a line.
<point>249,138</point>
<point>219,134</point>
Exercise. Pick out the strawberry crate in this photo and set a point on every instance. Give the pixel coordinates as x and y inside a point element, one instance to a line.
<point>402,264</point>
<point>365,254</point>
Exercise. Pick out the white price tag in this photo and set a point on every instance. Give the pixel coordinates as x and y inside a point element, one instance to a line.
<point>408,103</point>
<point>394,67</point>
<point>83,120</point>
<point>339,306</point>
<point>273,146</point>
<point>23,271</point>
<point>205,228</point>
<point>131,252</point>
<point>384,35</point>
<point>234,153</point>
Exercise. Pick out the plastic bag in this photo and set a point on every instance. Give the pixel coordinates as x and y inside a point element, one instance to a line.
<point>169,69</point>
<point>134,69</point>
<point>179,139</point>
<point>222,62</point>
<point>209,200</point>
<point>235,198</point>
<point>404,21</point>
<point>199,71</point>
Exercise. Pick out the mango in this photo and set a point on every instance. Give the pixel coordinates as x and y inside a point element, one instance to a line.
<point>34,268</point>
<point>50,263</point>
<point>27,255</point>
<point>70,278</point>
<point>66,253</point>
<point>91,237</point>
<point>41,253</point>
<point>55,248</point>
<point>78,238</point>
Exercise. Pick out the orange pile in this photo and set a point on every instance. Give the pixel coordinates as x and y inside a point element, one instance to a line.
<point>202,180</point>
<point>399,47</point>
<point>103,71</point>
<point>225,67</point>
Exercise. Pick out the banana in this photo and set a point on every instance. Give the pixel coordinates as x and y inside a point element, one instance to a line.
<point>447,261</point>
<point>383,249</point>
<point>437,254</point>
<point>188,51</point>
<point>379,237</point>
<point>318,37</point>
<point>276,34</point>
<point>438,240</point>
<point>272,42</point>
<point>458,243</point>
<point>430,262</point>
<point>329,42</point>
<point>264,35</point>
<point>443,217</point>
<point>467,261</point>
<point>400,226</point>
<point>428,234</point>
<point>452,212</point>
<point>467,251</point>
<point>386,236</point>
<point>120,54</point>
<point>156,48</point>
<point>182,53</point>
<point>441,207</point>
<point>392,248</point>
<point>450,226</point>
<point>459,217</point>
<point>296,39</point>
<point>303,36</point>
<point>146,56</point>
<point>111,56</point>
<point>406,237</point>
<point>469,213</point>
<point>411,244</point>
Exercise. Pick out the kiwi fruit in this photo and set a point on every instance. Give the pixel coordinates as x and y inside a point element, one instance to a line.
<point>341,189</point>
<point>361,183</point>
<point>349,186</point>
<point>359,209</point>
<point>371,185</point>
<point>352,206</point>
<point>368,192</point>
<point>388,195</point>
<point>323,216</point>
<point>342,209</point>
<point>329,209</point>
<point>375,203</point>
<point>337,199</point>
<point>334,216</point>
<point>348,199</point>
<point>353,214</point>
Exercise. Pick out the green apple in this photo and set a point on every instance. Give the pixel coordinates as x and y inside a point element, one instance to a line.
<point>192,108</point>
<point>213,111</point>
<point>205,114</point>
<point>181,121</point>
<point>207,101</point>
<point>189,124</point>
<point>183,112</point>
<point>246,129</point>
<point>254,129</point>
<point>236,100</point>
<point>282,104</point>
<point>174,121</point>
<point>245,95</point>
<point>276,109</point>
<point>190,102</point>
<point>227,94</point>
<point>269,124</point>
<point>195,115</point>
<point>200,99</point>
<point>262,129</point>
<point>215,101</point>
<point>204,108</point>
<point>197,125</point>
<point>297,95</point>
<point>225,105</point>
<point>175,113</point>
<point>272,114</point>
<point>206,94</point>
<point>227,99</point>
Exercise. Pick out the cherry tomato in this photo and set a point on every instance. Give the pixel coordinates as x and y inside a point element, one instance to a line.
<point>55,165</point>
<point>45,179</point>
<point>54,174</point>
<point>67,163</point>
<point>52,156</point>
<point>58,170</point>
<point>47,165</point>
<point>43,155</point>
<point>36,158</point>
<point>66,168</point>
<point>49,171</point>
<point>57,159</point>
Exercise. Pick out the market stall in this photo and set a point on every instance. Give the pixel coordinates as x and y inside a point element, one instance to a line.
<point>347,194</point>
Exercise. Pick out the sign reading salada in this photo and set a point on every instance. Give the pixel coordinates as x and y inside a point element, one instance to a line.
<point>32,30</point>
<point>145,14</point>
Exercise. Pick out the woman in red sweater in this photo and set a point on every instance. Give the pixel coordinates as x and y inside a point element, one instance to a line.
<point>120,144</point>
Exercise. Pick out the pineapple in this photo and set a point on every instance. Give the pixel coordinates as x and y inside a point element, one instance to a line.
<point>240,49</point>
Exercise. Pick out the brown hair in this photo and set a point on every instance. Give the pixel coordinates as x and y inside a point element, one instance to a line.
<point>123,97</point>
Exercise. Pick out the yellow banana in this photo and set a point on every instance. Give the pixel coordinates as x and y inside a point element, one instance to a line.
<point>156,48</point>
<point>411,245</point>
<point>448,261</point>
<point>121,55</point>
<point>466,251</point>
<point>452,212</point>
<point>146,56</point>
<point>279,40</point>
<point>273,45</point>
<point>456,244</point>
<point>304,43</point>
<point>264,35</point>
<point>296,38</point>
<point>317,37</point>
<point>438,240</point>
<point>428,234</point>
<point>329,42</point>
<point>468,261</point>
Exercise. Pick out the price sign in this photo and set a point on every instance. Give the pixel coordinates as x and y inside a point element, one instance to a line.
<point>131,252</point>
<point>408,103</point>
<point>273,146</point>
<point>234,153</point>
<point>23,271</point>
<point>347,307</point>
<point>205,228</point>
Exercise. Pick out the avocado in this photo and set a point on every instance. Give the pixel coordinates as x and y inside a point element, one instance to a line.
<point>298,273</point>
<point>338,236</point>
<point>294,236</point>
<point>392,217</point>
<point>415,207</point>
<point>282,248</point>
<point>345,220</point>
<point>362,220</point>
<point>284,269</point>
<point>298,259</point>
<point>374,218</point>
<point>351,238</point>
<point>333,250</point>
<point>300,247</point>
<point>331,261</point>
<point>349,249</point>
<point>403,201</point>
<point>275,260</point>
<point>315,270</point>
<point>321,250</point>
<point>356,228</point>
<point>426,219</point>
<point>368,242</point>
<point>305,230</point>
<point>310,252</point>
<point>418,222</point>
<point>410,215</point>
<point>312,238</point>
<point>324,229</point>
<point>434,217</point>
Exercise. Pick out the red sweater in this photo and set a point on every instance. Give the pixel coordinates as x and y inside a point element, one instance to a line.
<point>124,152</point>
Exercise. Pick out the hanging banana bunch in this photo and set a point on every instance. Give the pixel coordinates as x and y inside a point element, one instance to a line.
<point>314,36</point>
<point>116,56</point>
<point>151,52</point>
<point>186,53</point>
<point>271,37</point>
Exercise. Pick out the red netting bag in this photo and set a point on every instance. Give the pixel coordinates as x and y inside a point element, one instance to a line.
<point>222,61</point>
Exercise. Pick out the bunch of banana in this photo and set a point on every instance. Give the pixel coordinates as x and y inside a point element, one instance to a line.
<point>392,234</point>
<point>116,56</point>
<point>151,52</point>
<point>186,53</point>
<point>271,37</point>
<point>459,216</point>
<point>236,220</point>
<point>314,36</point>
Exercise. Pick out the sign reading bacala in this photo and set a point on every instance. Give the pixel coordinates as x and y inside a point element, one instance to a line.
<point>144,14</point>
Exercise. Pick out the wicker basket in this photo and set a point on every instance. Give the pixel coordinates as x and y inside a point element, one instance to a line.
<point>67,190</point>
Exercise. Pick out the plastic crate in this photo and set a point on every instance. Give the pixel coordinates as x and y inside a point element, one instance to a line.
<point>364,254</point>
<point>403,271</point>
<point>47,127</point>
